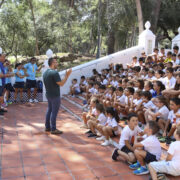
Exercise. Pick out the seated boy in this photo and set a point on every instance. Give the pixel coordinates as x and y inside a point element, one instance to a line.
<point>171,124</point>
<point>83,84</point>
<point>172,163</point>
<point>150,149</point>
<point>74,89</point>
<point>128,134</point>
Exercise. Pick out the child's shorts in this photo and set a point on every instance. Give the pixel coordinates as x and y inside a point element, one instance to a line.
<point>77,92</point>
<point>1,90</point>
<point>125,149</point>
<point>150,158</point>
<point>169,127</point>
<point>9,87</point>
<point>165,167</point>
<point>19,85</point>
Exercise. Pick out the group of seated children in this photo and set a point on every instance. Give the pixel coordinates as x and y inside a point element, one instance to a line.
<point>147,95</point>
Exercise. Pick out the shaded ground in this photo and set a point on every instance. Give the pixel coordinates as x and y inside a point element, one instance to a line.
<point>29,153</point>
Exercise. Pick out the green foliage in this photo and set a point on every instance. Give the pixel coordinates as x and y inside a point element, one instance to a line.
<point>71,25</point>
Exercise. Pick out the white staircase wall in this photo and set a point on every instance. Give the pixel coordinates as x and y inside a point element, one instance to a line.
<point>121,57</point>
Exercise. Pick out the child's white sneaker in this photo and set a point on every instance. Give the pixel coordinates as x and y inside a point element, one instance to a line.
<point>35,100</point>
<point>111,141</point>
<point>102,138</point>
<point>106,143</point>
<point>31,101</point>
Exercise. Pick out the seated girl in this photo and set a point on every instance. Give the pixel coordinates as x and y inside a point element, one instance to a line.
<point>92,113</point>
<point>135,101</point>
<point>111,127</point>
<point>94,122</point>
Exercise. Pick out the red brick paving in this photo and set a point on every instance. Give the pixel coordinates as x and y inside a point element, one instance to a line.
<point>27,153</point>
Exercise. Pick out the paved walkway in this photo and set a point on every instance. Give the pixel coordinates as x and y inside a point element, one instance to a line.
<point>28,153</point>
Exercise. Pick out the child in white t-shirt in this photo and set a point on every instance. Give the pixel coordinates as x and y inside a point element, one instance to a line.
<point>162,112</point>
<point>169,81</point>
<point>74,89</point>
<point>173,119</point>
<point>128,135</point>
<point>109,97</point>
<point>119,99</point>
<point>135,101</point>
<point>101,119</point>
<point>148,150</point>
<point>111,128</point>
<point>86,116</point>
<point>172,163</point>
<point>83,84</point>
<point>104,80</point>
<point>144,105</point>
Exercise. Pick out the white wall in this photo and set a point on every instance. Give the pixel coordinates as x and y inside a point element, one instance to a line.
<point>122,57</point>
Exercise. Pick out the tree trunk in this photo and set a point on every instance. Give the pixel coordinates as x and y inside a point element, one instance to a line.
<point>111,33</point>
<point>111,41</point>
<point>35,29</point>
<point>1,3</point>
<point>98,55</point>
<point>155,15</point>
<point>140,16</point>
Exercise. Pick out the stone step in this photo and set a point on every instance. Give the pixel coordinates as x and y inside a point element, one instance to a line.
<point>72,108</point>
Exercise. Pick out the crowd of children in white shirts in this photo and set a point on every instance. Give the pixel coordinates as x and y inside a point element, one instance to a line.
<point>146,95</point>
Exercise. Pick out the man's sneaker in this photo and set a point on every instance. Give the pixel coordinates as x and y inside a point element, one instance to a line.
<point>3,110</point>
<point>88,132</point>
<point>102,138</point>
<point>92,135</point>
<point>141,171</point>
<point>106,143</point>
<point>47,129</point>
<point>1,114</point>
<point>115,154</point>
<point>135,165</point>
<point>36,101</point>
<point>56,132</point>
<point>30,100</point>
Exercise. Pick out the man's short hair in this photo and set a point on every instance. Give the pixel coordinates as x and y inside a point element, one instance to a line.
<point>50,61</point>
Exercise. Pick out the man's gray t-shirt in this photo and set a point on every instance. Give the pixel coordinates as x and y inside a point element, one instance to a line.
<point>50,77</point>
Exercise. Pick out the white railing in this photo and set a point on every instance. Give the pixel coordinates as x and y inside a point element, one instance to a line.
<point>122,57</point>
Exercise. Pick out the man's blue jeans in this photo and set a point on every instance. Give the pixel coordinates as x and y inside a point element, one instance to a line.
<point>52,111</point>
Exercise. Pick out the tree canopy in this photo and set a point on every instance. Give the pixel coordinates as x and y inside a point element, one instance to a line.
<point>30,27</point>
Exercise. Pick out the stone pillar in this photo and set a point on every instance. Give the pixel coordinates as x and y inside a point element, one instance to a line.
<point>176,40</point>
<point>147,39</point>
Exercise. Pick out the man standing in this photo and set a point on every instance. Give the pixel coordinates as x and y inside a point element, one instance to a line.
<point>52,82</point>
<point>31,69</point>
